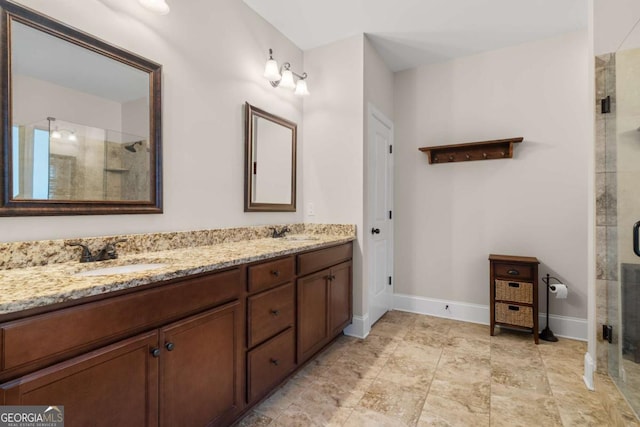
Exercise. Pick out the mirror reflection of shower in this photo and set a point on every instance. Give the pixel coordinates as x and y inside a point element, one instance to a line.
<point>56,159</point>
<point>132,147</point>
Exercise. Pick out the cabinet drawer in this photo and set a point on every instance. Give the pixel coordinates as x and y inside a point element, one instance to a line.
<point>514,291</point>
<point>516,271</point>
<point>269,274</point>
<point>269,363</point>
<point>270,312</point>
<point>317,260</point>
<point>39,340</point>
<point>514,314</point>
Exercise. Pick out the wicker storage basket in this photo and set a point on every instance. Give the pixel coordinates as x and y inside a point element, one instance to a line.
<point>508,290</point>
<point>514,314</point>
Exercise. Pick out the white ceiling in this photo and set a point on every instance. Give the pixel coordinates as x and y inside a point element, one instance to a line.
<point>408,33</point>
<point>42,56</point>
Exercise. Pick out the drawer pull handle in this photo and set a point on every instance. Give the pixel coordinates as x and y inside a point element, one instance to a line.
<point>514,308</point>
<point>275,362</point>
<point>170,346</point>
<point>331,277</point>
<point>275,312</point>
<point>276,273</point>
<point>513,272</point>
<point>155,352</point>
<point>514,285</point>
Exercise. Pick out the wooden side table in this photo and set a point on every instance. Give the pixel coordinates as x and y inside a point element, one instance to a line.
<point>513,284</point>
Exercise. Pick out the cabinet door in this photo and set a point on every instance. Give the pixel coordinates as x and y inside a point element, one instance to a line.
<point>113,386</point>
<point>313,324</point>
<point>339,298</point>
<point>200,368</point>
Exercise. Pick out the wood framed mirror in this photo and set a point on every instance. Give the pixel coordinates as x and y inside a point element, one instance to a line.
<point>81,121</point>
<point>270,162</point>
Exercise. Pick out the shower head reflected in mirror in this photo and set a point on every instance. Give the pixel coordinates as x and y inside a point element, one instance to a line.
<point>132,147</point>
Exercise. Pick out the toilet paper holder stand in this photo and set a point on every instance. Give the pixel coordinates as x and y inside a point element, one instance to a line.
<point>546,333</point>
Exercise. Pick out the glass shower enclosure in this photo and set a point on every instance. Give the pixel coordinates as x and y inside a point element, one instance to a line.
<point>618,218</point>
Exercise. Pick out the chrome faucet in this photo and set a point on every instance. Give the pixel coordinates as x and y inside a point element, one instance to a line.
<point>277,234</point>
<point>107,252</point>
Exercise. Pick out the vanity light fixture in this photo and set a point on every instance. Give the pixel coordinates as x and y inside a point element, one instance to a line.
<point>58,133</point>
<point>158,6</point>
<point>284,76</point>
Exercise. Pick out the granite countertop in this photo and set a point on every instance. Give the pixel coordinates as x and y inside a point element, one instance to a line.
<point>31,287</point>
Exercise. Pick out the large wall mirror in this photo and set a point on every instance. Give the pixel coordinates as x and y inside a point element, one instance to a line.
<point>81,122</point>
<point>270,167</point>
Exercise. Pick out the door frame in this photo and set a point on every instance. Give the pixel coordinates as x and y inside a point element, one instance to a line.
<point>374,113</point>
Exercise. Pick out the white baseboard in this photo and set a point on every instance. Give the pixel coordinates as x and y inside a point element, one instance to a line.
<point>473,313</point>
<point>562,326</point>
<point>589,369</point>
<point>359,327</point>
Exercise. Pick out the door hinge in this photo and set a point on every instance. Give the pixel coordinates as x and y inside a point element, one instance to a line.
<point>605,105</point>
<point>389,280</point>
<point>607,333</point>
<point>390,215</point>
<point>390,149</point>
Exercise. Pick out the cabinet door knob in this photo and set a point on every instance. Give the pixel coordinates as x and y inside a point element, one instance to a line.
<point>276,273</point>
<point>375,230</point>
<point>170,346</point>
<point>513,272</point>
<point>275,362</point>
<point>155,352</point>
<point>275,312</point>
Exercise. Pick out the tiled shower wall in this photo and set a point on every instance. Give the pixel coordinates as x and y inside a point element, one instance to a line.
<point>607,285</point>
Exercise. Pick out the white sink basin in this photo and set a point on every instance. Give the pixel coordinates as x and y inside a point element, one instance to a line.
<point>301,238</point>
<point>120,269</point>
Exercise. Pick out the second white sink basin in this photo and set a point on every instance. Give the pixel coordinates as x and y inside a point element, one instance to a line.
<point>120,269</point>
<point>300,237</point>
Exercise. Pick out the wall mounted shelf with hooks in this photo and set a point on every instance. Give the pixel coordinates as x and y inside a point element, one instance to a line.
<point>482,150</point>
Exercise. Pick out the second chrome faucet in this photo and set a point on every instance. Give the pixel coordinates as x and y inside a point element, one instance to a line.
<point>107,252</point>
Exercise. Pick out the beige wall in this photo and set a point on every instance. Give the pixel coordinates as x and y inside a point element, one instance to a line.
<point>333,148</point>
<point>34,100</point>
<point>450,217</point>
<point>213,56</point>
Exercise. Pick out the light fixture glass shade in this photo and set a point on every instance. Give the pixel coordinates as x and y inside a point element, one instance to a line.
<point>271,71</point>
<point>73,137</point>
<point>301,88</point>
<point>158,6</point>
<point>56,134</point>
<point>287,80</point>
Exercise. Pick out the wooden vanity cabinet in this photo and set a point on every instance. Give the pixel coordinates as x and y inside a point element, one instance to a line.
<point>113,386</point>
<point>201,368</point>
<point>293,314</point>
<point>271,351</point>
<point>185,372</point>
<point>187,352</point>
<point>324,298</point>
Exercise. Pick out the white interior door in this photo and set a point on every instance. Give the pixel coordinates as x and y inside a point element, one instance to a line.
<point>380,213</point>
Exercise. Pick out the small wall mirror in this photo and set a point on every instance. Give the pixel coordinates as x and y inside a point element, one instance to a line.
<point>82,131</point>
<point>270,183</point>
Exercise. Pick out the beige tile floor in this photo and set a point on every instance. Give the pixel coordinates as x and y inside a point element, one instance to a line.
<point>415,370</point>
